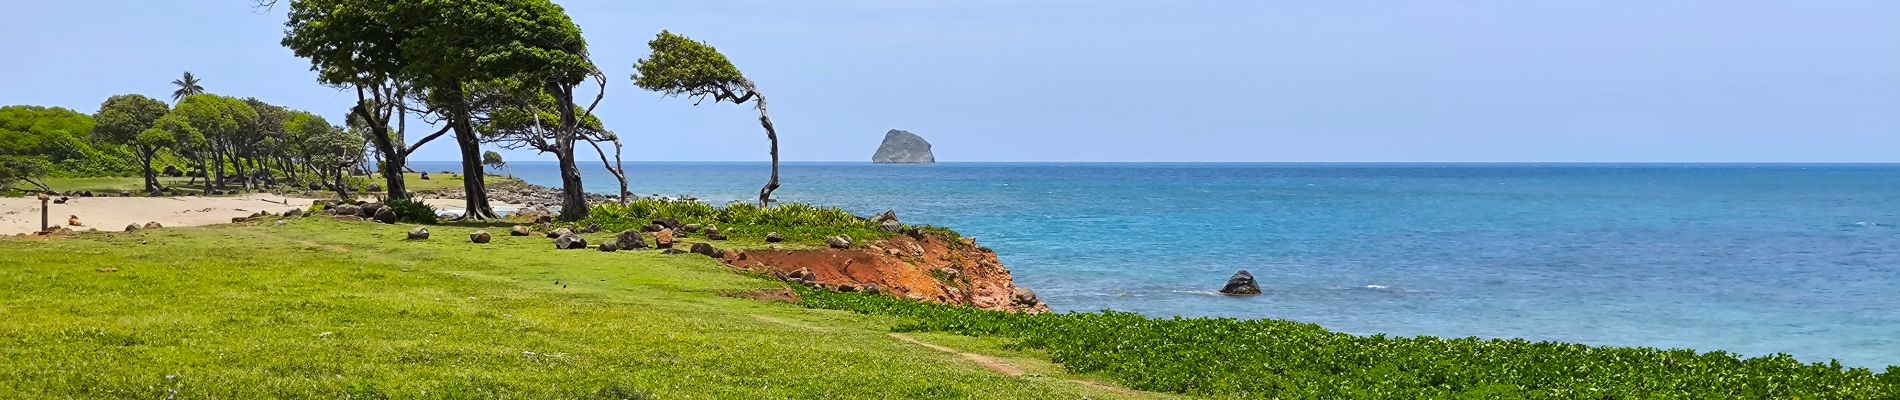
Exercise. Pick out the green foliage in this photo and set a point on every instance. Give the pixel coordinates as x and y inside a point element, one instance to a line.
<point>493,159</point>
<point>798,222</point>
<point>62,139</point>
<point>122,118</point>
<point>681,66</point>
<point>188,86</point>
<point>1226,357</point>
<point>413,211</point>
<point>22,169</point>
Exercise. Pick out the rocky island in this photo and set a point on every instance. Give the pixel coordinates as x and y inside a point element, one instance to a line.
<point>902,147</point>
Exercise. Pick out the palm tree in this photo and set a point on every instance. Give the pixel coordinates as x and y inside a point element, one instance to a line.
<point>187,86</point>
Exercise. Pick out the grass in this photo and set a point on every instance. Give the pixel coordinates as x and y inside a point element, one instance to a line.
<point>1232,358</point>
<point>318,308</point>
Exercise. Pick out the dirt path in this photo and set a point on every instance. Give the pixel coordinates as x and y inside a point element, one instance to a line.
<point>1004,367</point>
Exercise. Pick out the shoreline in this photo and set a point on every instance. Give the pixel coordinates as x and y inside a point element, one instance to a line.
<point>20,215</point>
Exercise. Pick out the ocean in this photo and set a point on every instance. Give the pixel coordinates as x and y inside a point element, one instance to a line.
<point>1752,259</point>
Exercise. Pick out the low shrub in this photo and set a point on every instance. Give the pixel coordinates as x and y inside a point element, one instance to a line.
<point>1226,357</point>
<point>798,222</point>
<point>413,211</point>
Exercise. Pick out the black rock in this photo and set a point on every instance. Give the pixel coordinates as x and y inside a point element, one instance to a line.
<point>386,215</point>
<point>420,233</point>
<point>630,240</point>
<point>609,247</point>
<point>1241,284</point>
<point>479,237</point>
<point>706,250</point>
<point>569,242</point>
<point>774,237</point>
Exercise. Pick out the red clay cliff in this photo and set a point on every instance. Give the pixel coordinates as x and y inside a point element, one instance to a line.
<point>918,267</point>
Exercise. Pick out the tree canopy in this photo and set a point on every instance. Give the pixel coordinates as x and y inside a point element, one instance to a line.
<point>680,66</point>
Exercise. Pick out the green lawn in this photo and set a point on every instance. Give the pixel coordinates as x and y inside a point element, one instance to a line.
<point>318,308</point>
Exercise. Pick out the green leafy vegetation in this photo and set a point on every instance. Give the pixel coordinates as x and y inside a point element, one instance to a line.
<point>799,223</point>
<point>1226,357</point>
<point>414,212</point>
<point>319,308</point>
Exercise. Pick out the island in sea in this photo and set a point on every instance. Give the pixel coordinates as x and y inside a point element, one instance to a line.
<point>902,147</point>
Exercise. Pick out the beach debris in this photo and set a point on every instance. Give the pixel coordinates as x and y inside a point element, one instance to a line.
<point>1241,284</point>
<point>774,237</point>
<point>73,220</point>
<point>419,233</point>
<point>708,250</point>
<point>838,242</point>
<point>519,230</point>
<point>663,239</point>
<point>569,242</point>
<point>479,237</point>
<point>630,240</point>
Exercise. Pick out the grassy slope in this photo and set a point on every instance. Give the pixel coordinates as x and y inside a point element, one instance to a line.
<point>319,307</point>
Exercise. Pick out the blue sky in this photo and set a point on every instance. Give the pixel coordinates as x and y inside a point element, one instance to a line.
<point>1071,80</point>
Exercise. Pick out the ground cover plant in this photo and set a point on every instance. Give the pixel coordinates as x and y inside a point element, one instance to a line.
<point>322,308</point>
<point>1226,357</point>
<point>799,223</point>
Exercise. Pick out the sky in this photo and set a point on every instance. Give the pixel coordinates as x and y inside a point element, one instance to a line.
<point>1132,81</point>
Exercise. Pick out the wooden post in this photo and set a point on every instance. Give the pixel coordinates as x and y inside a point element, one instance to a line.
<point>43,211</point>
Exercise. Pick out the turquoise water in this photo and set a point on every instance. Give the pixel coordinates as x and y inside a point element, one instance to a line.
<point>1750,259</point>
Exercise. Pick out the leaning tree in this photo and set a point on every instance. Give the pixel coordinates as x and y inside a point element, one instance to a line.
<point>680,66</point>
<point>124,120</point>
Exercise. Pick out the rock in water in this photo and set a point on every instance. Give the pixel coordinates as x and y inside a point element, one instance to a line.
<point>479,237</point>
<point>569,242</point>
<point>420,233</point>
<point>1241,284</point>
<point>630,240</point>
<point>903,147</point>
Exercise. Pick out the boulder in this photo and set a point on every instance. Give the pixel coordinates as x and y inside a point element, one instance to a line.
<point>425,176</point>
<point>558,233</point>
<point>774,237</point>
<point>346,210</point>
<point>653,228</point>
<point>609,247</point>
<point>569,242</point>
<point>712,233</point>
<point>132,227</point>
<point>1024,296</point>
<point>663,239</point>
<point>153,225</point>
<point>707,250</point>
<point>669,223</point>
<point>386,215</point>
<point>479,237</point>
<point>630,240</point>
<point>419,233</point>
<point>1241,284</point>
<point>903,147</point>
<point>838,242</point>
<point>691,228</point>
<point>369,210</point>
<point>519,230</point>
<point>293,213</point>
<point>590,228</point>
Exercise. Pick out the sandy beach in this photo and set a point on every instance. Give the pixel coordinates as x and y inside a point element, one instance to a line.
<point>22,214</point>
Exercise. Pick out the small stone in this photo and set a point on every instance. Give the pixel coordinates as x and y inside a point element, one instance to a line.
<point>293,213</point>
<point>570,242</point>
<point>630,240</point>
<point>132,228</point>
<point>774,237</point>
<point>153,225</point>
<point>1024,296</point>
<point>663,239</point>
<point>479,237</point>
<point>558,233</point>
<point>706,250</point>
<point>838,242</point>
<point>609,247</point>
<point>419,233</point>
<point>386,215</point>
<point>691,228</point>
<point>519,230</point>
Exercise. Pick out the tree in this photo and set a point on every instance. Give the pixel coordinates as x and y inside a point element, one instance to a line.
<point>18,168</point>
<point>328,150</point>
<point>124,120</point>
<point>187,86</point>
<point>359,44</point>
<point>680,66</point>
<point>466,48</point>
<point>219,121</point>
<point>493,160</point>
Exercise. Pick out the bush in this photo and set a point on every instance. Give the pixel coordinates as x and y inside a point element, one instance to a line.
<point>796,221</point>
<point>413,211</point>
<point>1224,357</point>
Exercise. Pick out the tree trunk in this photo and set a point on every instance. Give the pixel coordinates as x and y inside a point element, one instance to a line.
<point>146,153</point>
<point>204,162</point>
<point>393,163</point>
<point>474,182</point>
<point>765,194</point>
<point>573,196</point>
<point>615,167</point>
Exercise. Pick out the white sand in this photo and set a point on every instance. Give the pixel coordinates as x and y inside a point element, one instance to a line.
<point>22,214</point>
